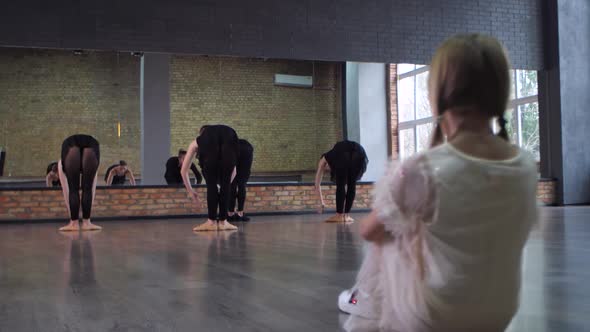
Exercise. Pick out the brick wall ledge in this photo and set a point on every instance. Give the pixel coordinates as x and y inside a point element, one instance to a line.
<point>141,202</point>
<point>165,201</point>
<point>127,187</point>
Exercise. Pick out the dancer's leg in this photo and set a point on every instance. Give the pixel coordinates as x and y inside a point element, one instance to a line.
<point>89,177</point>
<point>71,169</point>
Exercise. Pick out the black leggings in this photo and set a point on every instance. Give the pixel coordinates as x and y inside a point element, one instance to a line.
<point>345,196</point>
<point>217,198</point>
<point>78,161</point>
<point>238,192</point>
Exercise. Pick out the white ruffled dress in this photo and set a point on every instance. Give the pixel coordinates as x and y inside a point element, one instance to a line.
<point>457,228</point>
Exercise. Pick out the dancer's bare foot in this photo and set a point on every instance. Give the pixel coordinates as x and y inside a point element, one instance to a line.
<point>338,217</point>
<point>225,226</point>
<point>207,226</point>
<point>73,226</point>
<point>88,226</point>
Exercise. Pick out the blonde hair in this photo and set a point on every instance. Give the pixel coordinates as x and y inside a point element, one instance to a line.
<point>469,73</point>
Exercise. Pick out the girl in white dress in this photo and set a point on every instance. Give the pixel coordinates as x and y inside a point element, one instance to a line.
<point>449,225</point>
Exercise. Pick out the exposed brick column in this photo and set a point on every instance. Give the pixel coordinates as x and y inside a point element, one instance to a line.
<point>393,111</point>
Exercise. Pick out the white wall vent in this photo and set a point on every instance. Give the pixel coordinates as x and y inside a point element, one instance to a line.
<point>294,80</point>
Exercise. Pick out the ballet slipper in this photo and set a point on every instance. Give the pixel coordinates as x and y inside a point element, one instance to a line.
<point>349,219</point>
<point>73,226</point>
<point>225,226</point>
<point>207,226</point>
<point>88,226</point>
<point>335,218</point>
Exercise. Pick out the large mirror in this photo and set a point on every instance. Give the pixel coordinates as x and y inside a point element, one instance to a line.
<point>289,110</point>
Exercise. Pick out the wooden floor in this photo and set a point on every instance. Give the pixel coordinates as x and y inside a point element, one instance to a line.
<point>274,274</point>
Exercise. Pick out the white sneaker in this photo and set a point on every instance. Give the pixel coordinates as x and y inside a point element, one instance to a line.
<point>355,302</point>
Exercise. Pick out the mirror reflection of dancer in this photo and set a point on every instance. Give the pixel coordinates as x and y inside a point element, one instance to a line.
<point>347,162</point>
<point>238,185</point>
<point>52,176</point>
<point>80,157</point>
<point>173,165</point>
<point>217,150</point>
<point>117,174</point>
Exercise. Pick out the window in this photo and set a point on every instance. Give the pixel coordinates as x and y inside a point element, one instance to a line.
<point>416,121</point>
<point>415,117</point>
<point>523,111</point>
<point>407,142</point>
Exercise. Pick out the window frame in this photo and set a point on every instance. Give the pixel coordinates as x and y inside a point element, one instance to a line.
<point>413,124</point>
<point>513,104</point>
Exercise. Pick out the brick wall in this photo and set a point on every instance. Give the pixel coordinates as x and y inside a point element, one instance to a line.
<point>46,96</point>
<point>385,31</point>
<point>167,201</point>
<point>289,127</point>
<point>546,192</point>
<point>164,201</point>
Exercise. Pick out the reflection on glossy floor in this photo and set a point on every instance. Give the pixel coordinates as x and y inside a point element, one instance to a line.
<point>274,274</point>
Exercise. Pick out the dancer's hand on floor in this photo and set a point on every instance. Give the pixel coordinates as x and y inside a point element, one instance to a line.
<point>321,208</point>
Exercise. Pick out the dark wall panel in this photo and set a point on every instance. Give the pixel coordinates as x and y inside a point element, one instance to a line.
<point>359,30</point>
<point>574,55</point>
